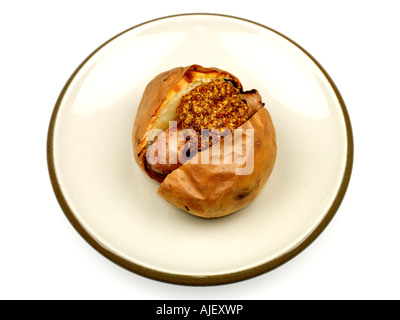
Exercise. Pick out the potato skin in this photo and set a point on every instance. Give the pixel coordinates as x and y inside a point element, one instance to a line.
<point>204,189</point>
<point>212,190</point>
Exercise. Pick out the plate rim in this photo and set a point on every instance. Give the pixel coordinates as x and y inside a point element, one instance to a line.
<point>199,280</point>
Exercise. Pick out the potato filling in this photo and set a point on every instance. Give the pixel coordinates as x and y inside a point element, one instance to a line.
<point>215,106</point>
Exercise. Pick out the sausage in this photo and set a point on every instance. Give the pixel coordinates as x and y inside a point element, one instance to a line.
<point>253,100</point>
<point>170,150</point>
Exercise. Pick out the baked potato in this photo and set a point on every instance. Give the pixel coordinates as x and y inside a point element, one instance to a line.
<point>213,174</point>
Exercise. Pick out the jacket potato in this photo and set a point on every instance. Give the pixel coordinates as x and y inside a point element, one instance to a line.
<point>198,172</point>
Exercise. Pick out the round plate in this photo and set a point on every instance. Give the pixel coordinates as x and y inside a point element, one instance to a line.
<point>114,205</point>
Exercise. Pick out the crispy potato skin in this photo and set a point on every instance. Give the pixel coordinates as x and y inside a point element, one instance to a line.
<point>210,190</point>
<point>204,189</point>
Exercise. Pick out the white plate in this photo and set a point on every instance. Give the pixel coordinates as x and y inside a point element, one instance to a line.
<point>114,205</point>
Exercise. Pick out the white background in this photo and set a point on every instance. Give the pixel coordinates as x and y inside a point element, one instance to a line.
<point>43,257</point>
